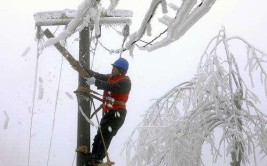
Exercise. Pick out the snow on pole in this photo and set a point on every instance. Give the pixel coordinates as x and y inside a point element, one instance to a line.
<point>85,117</point>
<point>74,24</point>
<point>88,12</point>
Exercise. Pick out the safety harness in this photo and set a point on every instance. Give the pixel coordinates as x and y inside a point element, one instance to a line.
<point>113,101</point>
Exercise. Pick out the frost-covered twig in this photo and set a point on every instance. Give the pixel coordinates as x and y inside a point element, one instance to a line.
<point>186,15</point>
<point>176,125</point>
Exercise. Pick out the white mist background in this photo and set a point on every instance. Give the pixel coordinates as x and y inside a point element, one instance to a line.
<point>152,74</point>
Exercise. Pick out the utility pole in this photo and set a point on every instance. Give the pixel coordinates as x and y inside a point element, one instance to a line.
<point>84,105</point>
<point>57,18</point>
<point>83,132</point>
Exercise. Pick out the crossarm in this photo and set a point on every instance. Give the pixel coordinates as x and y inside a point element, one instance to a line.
<point>73,62</point>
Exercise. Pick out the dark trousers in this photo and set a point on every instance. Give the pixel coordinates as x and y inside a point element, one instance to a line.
<point>110,123</point>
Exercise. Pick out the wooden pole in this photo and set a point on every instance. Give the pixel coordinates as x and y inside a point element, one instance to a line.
<point>83,132</point>
<point>83,128</point>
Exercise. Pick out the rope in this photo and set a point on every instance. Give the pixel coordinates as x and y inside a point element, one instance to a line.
<point>54,118</point>
<point>103,140</point>
<point>33,100</point>
<point>39,37</point>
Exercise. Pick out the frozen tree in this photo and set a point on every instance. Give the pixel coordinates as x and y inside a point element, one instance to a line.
<point>175,127</point>
<point>186,14</point>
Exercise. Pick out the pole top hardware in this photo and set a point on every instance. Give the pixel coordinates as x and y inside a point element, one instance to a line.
<point>64,17</point>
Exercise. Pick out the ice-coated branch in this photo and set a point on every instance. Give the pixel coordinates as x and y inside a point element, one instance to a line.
<point>186,15</point>
<point>149,14</point>
<point>177,124</point>
<point>183,22</point>
<point>86,10</point>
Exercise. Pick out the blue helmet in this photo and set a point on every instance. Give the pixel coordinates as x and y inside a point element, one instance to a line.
<point>122,63</point>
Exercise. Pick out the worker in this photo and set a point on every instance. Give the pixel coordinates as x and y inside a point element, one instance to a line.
<point>116,88</point>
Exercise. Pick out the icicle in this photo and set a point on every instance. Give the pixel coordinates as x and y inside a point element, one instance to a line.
<point>149,29</point>
<point>41,92</point>
<point>119,13</point>
<point>166,20</point>
<point>173,6</point>
<point>164,6</point>
<point>69,95</point>
<point>77,24</point>
<point>113,4</point>
<point>131,51</point>
<point>250,72</point>
<point>261,77</point>
<point>265,85</point>
<point>95,13</point>
<point>6,121</point>
<point>85,117</point>
<point>41,89</point>
<point>126,31</point>
<point>26,51</point>
<point>70,13</point>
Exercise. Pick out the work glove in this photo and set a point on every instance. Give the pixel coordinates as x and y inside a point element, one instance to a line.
<point>90,81</point>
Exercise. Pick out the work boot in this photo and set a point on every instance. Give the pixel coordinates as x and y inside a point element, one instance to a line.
<point>94,162</point>
<point>98,161</point>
